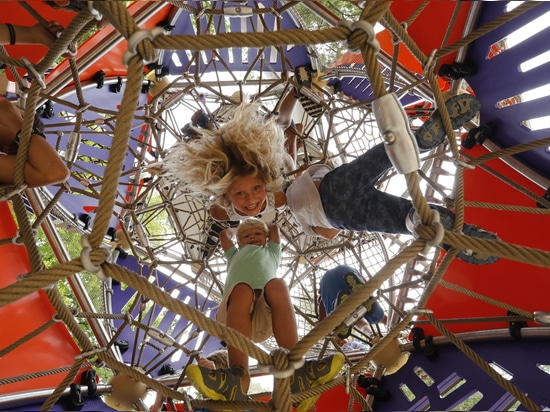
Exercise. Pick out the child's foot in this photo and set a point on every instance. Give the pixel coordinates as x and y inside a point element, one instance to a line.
<point>309,99</point>
<point>313,374</point>
<point>218,384</point>
<point>447,219</point>
<point>461,107</point>
<point>374,311</point>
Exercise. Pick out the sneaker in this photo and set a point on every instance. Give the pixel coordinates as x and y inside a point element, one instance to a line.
<point>447,219</point>
<point>309,99</point>
<point>218,384</point>
<point>201,119</point>
<point>353,281</point>
<point>315,373</point>
<point>462,108</point>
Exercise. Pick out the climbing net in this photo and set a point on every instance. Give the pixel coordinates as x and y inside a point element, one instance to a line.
<point>399,274</point>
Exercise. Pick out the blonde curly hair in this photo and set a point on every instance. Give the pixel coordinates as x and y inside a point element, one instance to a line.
<point>248,144</point>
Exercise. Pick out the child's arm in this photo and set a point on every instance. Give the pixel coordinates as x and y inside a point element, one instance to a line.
<point>274,233</point>
<point>327,233</point>
<point>218,212</point>
<point>37,34</point>
<point>44,166</point>
<point>226,240</point>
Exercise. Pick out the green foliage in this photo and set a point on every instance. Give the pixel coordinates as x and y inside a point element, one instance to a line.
<point>345,10</point>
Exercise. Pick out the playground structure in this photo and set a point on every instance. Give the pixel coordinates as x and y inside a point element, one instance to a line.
<point>123,100</point>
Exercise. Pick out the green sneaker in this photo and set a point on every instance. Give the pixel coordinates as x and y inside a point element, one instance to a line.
<point>315,373</point>
<point>353,282</point>
<point>218,384</point>
<point>461,107</point>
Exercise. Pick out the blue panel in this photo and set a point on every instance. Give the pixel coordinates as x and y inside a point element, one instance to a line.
<point>499,78</point>
<point>120,299</point>
<point>518,357</point>
<point>232,57</point>
<point>95,146</point>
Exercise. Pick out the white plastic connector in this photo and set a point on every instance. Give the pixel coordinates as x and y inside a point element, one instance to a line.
<point>399,139</point>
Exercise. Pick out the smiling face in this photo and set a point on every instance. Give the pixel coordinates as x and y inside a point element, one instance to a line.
<point>253,236</point>
<point>247,194</point>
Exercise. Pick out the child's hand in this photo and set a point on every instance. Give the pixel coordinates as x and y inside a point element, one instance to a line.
<point>206,363</point>
<point>46,35</point>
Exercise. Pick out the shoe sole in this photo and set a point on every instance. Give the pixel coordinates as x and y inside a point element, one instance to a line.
<point>462,108</point>
<point>194,375</point>
<point>335,367</point>
<point>471,257</point>
<point>352,283</point>
<point>304,77</point>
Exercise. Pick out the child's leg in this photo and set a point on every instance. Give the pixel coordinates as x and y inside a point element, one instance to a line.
<point>283,317</point>
<point>238,318</point>
<point>351,200</point>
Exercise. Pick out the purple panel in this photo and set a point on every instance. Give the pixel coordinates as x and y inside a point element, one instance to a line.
<point>499,78</point>
<point>297,55</point>
<point>518,357</point>
<point>121,297</point>
<point>95,147</point>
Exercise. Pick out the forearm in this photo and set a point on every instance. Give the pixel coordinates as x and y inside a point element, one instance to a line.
<point>36,34</point>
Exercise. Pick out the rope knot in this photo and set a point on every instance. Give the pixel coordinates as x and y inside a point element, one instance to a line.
<point>282,367</point>
<point>148,55</point>
<point>87,261</point>
<point>356,40</point>
<point>414,224</point>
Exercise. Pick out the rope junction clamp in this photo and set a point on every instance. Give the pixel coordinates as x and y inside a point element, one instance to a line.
<point>281,374</point>
<point>33,72</point>
<point>399,140</point>
<point>17,240</point>
<point>98,16</point>
<point>87,262</point>
<point>137,37</point>
<point>542,318</point>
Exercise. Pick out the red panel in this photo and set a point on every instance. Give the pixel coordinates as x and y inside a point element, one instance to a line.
<point>53,348</point>
<point>518,284</point>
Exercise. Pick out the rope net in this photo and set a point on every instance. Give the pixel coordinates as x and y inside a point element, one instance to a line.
<point>169,231</point>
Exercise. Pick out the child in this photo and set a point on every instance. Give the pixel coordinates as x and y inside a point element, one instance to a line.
<point>257,304</point>
<point>335,286</point>
<point>240,164</point>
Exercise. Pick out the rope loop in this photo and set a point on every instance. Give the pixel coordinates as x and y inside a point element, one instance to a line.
<point>137,37</point>
<point>17,240</point>
<point>462,163</point>
<point>430,61</point>
<point>367,28</point>
<point>87,262</point>
<point>281,368</point>
<point>33,72</point>
<point>89,354</point>
<point>15,191</point>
